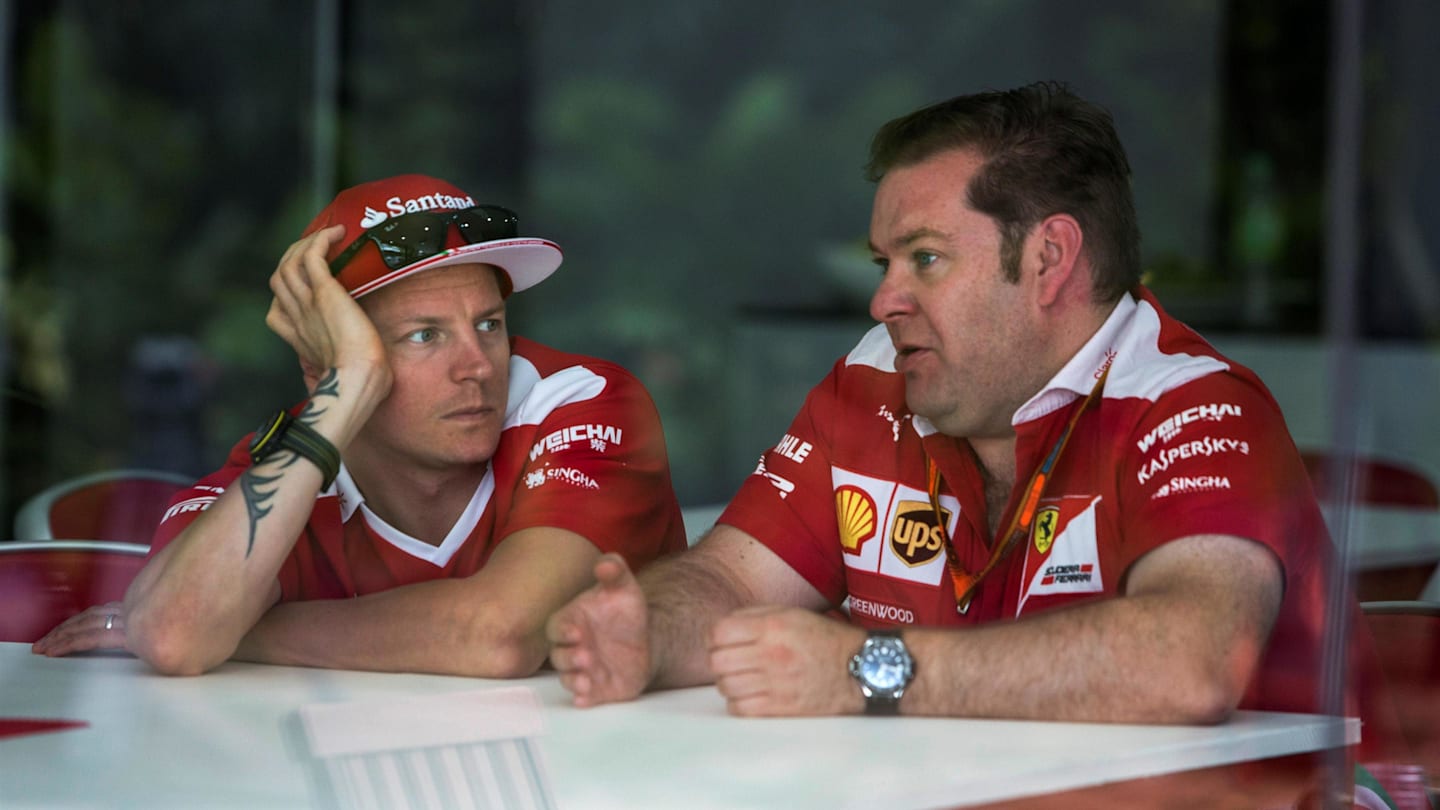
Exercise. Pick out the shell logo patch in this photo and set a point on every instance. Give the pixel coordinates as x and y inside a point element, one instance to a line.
<point>877,521</point>
<point>1047,520</point>
<point>855,514</point>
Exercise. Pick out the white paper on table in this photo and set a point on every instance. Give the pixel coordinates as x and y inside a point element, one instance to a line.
<point>453,750</point>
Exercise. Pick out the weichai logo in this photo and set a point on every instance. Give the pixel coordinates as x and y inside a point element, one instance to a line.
<point>915,536</point>
<point>1171,427</point>
<point>600,437</point>
<point>855,514</point>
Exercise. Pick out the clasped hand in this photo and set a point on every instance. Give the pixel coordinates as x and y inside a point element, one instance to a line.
<point>785,662</point>
<point>765,661</point>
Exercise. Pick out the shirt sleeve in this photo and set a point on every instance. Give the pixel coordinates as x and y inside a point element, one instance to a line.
<point>1215,457</point>
<point>187,504</point>
<point>599,468</point>
<point>788,502</point>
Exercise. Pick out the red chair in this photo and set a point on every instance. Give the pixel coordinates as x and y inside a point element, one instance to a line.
<point>45,583</point>
<point>1377,482</point>
<point>119,505</point>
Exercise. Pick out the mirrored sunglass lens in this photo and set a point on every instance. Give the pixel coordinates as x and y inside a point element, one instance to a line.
<point>481,224</point>
<point>410,238</point>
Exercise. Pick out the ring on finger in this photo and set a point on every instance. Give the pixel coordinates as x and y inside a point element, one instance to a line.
<point>109,621</point>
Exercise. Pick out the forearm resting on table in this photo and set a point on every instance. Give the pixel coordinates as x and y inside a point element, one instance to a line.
<point>196,598</point>
<point>689,592</point>
<point>488,625</point>
<point>1180,647</point>
<point>1104,662</point>
<point>435,627</point>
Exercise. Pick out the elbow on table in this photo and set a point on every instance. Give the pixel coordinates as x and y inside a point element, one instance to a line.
<point>513,661</point>
<point>515,655</point>
<point>506,647</point>
<point>1205,700</point>
<point>169,658</point>
<point>167,646</point>
<point>1208,710</point>
<point>1214,685</point>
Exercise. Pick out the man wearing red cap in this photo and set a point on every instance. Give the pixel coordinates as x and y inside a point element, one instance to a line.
<point>445,486</point>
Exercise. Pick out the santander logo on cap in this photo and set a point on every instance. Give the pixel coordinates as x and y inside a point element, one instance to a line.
<point>524,262</point>
<point>395,206</point>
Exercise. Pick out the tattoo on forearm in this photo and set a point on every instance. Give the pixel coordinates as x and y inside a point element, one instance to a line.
<point>328,388</point>
<point>259,491</point>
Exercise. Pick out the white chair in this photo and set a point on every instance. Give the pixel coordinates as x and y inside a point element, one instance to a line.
<point>123,505</point>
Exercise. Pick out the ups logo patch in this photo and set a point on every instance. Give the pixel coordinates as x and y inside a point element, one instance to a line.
<point>915,536</point>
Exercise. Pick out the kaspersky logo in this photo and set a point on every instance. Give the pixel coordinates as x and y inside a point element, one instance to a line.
<point>395,206</point>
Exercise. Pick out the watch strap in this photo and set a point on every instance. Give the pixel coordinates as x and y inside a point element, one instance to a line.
<point>285,431</point>
<point>882,705</point>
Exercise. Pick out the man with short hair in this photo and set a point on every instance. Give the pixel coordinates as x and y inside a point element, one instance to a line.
<point>445,486</point>
<point>1037,494</point>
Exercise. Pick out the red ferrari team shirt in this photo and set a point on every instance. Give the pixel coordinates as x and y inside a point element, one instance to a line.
<point>581,449</point>
<point>1180,442</point>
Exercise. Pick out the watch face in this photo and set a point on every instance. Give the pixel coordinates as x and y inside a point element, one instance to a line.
<point>885,666</point>
<point>264,434</point>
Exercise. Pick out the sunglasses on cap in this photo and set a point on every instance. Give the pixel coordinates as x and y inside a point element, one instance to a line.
<point>408,238</point>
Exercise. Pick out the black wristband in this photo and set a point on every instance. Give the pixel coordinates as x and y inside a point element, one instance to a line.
<point>283,431</point>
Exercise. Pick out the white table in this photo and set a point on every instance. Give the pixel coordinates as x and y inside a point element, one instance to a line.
<point>232,738</point>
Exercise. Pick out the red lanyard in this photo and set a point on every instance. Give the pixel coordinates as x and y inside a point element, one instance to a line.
<point>965,582</point>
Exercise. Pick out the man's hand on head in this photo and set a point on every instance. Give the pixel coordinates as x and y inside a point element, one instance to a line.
<point>316,315</point>
<point>774,661</point>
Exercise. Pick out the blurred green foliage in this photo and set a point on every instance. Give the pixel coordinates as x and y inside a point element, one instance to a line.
<point>700,163</point>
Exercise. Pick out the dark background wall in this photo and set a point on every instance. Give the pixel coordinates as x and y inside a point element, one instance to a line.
<point>699,161</point>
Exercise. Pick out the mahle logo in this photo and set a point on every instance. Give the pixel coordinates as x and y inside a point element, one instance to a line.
<point>916,537</point>
<point>855,512</point>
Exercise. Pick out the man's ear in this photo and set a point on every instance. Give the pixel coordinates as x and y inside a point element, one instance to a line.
<point>1060,243</point>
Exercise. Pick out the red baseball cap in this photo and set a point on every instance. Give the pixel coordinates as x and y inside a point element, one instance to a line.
<point>526,261</point>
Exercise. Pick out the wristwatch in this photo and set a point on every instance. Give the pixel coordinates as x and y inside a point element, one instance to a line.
<point>883,668</point>
<point>284,432</point>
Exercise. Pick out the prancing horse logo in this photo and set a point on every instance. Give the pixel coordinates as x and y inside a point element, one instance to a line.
<point>1045,524</point>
